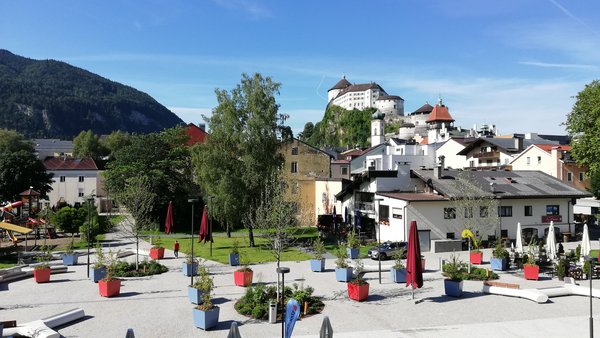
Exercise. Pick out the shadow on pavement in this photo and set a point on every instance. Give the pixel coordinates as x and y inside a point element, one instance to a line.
<point>444,298</point>
<point>220,300</point>
<point>129,294</point>
<point>225,325</point>
<point>86,317</point>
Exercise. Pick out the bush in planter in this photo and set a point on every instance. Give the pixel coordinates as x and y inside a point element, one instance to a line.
<point>190,266</point>
<point>255,302</point>
<point>234,254</point>
<point>110,285</point>
<point>500,257</point>
<point>343,273</point>
<point>98,269</point>
<point>476,256</point>
<point>205,315</point>
<point>157,251</point>
<point>243,275</point>
<point>41,272</point>
<point>195,290</point>
<point>531,269</point>
<point>353,244</point>
<point>561,268</point>
<point>318,263</point>
<point>454,271</point>
<point>398,270</point>
<point>358,288</point>
<point>70,256</point>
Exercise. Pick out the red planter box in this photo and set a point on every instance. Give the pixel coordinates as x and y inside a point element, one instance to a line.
<point>41,275</point>
<point>531,271</point>
<point>110,288</point>
<point>242,278</point>
<point>358,292</point>
<point>157,253</point>
<point>476,257</point>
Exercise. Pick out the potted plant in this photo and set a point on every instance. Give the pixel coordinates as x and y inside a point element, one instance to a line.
<point>109,286</point>
<point>243,275</point>
<point>206,315</point>
<point>98,269</point>
<point>41,272</point>
<point>353,248</point>
<point>157,251</point>
<point>318,263</point>
<point>358,288</point>
<point>454,271</point>
<point>476,255</point>
<point>561,269</point>
<point>190,266</point>
<point>70,256</point>
<point>343,272</point>
<point>195,291</point>
<point>531,270</point>
<point>500,257</point>
<point>398,270</point>
<point>234,254</point>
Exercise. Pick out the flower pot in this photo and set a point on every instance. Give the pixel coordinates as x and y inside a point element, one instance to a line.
<point>70,259</point>
<point>343,274</point>
<point>97,274</point>
<point>353,252</point>
<point>398,275</point>
<point>317,265</point>
<point>109,288</point>
<point>476,257</point>
<point>157,253</point>
<point>234,259</point>
<point>358,292</point>
<point>531,271</point>
<point>453,288</point>
<point>206,319</point>
<point>242,278</point>
<point>189,269</point>
<point>41,275</point>
<point>499,264</point>
<point>194,295</point>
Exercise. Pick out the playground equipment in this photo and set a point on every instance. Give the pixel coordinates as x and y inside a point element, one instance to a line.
<point>43,328</point>
<point>10,229</point>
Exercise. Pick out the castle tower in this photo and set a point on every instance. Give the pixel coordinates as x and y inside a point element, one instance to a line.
<point>377,128</point>
<point>333,92</point>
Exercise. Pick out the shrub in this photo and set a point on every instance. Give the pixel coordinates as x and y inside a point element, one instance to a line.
<point>255,303</point>
<point>147,268</point>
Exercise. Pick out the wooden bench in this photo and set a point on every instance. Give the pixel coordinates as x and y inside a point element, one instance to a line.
<point>502,285</point>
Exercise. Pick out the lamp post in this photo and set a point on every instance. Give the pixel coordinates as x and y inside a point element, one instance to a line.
<point>192,200</point>
<point>590,260</point>
<point>210,198</point>
<point>90,199</point>
<point>377,201</point>
<point>282,270</point>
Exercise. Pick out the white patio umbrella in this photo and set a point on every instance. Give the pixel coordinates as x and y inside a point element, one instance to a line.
<point>585,242</point>
<point>551,242</point>
<point>519,247</point>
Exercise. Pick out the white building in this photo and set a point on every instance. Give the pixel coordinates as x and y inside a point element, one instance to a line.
<point>73,180</point>
<point>367,95</point>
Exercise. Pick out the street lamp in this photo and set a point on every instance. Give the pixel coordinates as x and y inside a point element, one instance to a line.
<point>378,234</point>
<point>90,200</point>
<point>590,260</point>
<point>192,200</point>
<point>282,270</point>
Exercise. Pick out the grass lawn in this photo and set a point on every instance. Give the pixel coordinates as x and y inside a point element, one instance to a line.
<point>8,261</point>
<point>594,253</point>
<point>363,250</point>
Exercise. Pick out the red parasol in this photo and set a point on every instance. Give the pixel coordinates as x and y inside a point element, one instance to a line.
<point>205,234</point>
<point>169,220</point>
<point>414,269</point>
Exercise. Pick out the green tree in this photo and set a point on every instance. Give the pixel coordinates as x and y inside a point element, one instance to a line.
<point>115,141</point>
<point>241,153</point>
<point>20,170</point>
<point>307,132</point>
<point>11,141</point>
<point>583,124</point>
<point>69,219</point>
<point>87,144</point>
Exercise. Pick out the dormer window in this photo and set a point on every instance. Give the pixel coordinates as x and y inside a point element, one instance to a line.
<point>295,151</point>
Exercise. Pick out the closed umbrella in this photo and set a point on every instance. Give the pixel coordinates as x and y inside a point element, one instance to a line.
<point>519,247</point>
<point>357,220</point>
<point>585,242</point>
<point>169,219</point>
<point>414,268</point>
<point>551,242</point>
<point>205,234</point>
<point>346,215</point>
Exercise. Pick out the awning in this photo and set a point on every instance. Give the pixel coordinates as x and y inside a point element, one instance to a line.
<point>13,227</point>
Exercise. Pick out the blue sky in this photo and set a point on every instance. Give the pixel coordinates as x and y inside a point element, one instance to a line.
<point>513,63</point>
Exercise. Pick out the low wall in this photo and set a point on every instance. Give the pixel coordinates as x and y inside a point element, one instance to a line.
<point>446,245</point>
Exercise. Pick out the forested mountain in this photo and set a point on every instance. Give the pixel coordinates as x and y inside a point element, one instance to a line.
<point>47,98</point>
<point>340,127</point>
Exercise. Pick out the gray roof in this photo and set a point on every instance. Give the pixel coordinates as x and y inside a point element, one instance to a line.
<point>504,144</point>
<point>507,184</point>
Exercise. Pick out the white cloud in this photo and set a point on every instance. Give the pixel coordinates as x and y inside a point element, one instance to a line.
<point>556,65</point>
<point>191,115</point>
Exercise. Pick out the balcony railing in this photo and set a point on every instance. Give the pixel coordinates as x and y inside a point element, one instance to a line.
<point>364,206</point>
<point>487,154</point>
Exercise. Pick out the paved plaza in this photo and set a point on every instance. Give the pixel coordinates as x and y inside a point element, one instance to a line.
<point>157,306</point>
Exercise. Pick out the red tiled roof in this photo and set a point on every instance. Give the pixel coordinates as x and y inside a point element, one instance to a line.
<point>69,163</point>
<point>196,134</point>
<point>425,140</point>
<point>439,113</point>
<point>548,147</point>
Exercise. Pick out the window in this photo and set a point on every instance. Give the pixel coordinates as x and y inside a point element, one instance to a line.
<point>552,210</point>
<point>295,151</point>
<point>468,212</point>
<point>344,170</point>
<point>581,176</point>
<point>528,160</point>
<point>80,194</point>
<point>569,176</point>
<point>62,178</point>
<point>505,211</point>
<point>294,167</point>
<point>539,160</point>
<point>384,213</point>
<point>449,213</point>
<point>471,163</point>
<point>483,211</point>
<point>450,235</point>
<point>528,210</point>
<point>81,178</point>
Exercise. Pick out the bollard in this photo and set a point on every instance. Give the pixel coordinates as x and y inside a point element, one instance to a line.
<point>272,312</point>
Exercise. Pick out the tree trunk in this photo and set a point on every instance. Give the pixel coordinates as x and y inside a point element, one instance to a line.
<point>250,236</point>
<point>228,229</point>
<point>137,251</point>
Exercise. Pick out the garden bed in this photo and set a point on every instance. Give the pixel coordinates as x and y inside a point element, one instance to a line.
<point>146,268</point>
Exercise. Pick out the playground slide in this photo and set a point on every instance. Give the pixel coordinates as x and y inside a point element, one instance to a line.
<point>11,206</point>
<point>12,236</point>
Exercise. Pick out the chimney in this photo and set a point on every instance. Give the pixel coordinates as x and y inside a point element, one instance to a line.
<point>202,126</point>
<point>519,141</point>
<point>493,187</point>
<point>440,166</point>
<point>556,153</point>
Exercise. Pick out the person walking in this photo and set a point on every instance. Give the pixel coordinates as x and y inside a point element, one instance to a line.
<point>176,249</point>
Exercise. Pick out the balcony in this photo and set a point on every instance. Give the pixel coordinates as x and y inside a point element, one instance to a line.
<point>364,206</point>
<point>487,155</point>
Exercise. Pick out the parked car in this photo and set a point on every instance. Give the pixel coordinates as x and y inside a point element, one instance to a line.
<point>387,250</point>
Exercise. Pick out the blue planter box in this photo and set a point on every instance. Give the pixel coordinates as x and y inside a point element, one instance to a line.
<point>206,319</point>
<point>343,274</point>
<point>194,295</point>
<point>190,269</point>
<point>453,288</point>
<point>97,274</point>
<point>317,265</point>
<point>234,259</point>
<point>499,264</point>
<point>353,253</point>
<point>398,276</point>
<point>70,259</point>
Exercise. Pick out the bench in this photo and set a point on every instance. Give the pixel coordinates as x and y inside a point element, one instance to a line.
<point>502,285</point>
